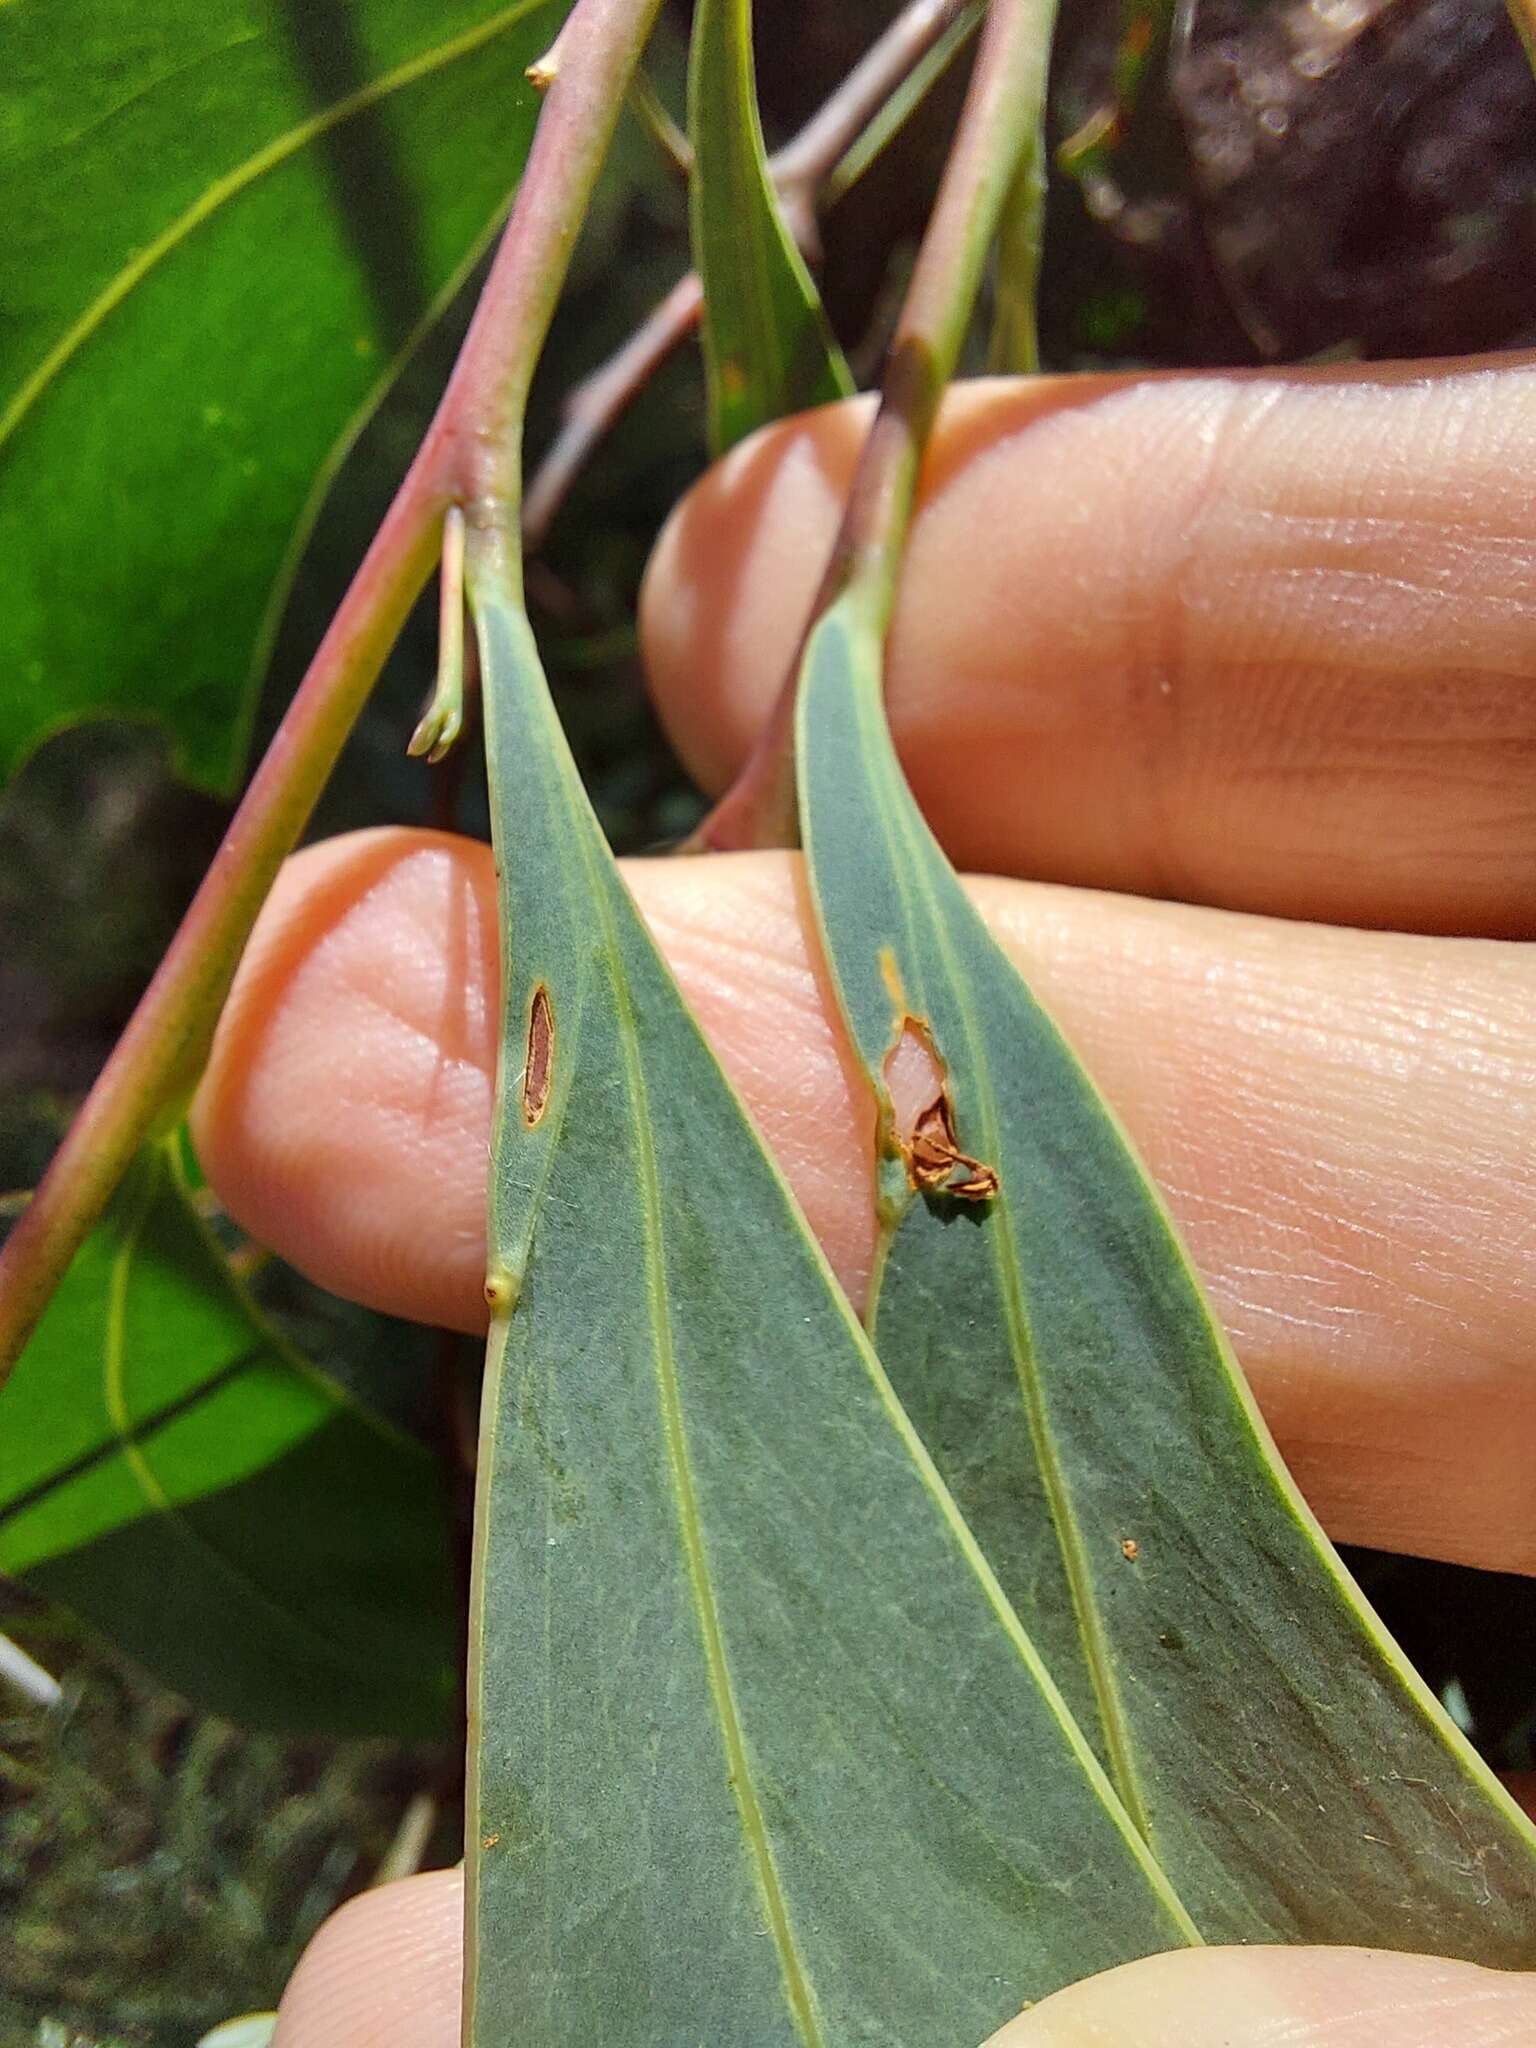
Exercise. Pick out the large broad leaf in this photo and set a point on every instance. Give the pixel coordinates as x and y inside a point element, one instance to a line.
<point>1045,1330</point>
<point>225,220</point>
<point>175,1473</point>
<point>759,1753</point>
<point>767,347</point>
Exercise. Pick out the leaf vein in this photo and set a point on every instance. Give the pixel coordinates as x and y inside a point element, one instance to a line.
<point>256,166</point>
<point>754,1827</point>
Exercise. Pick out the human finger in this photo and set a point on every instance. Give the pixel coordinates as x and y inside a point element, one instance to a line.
<point>1265,640</point>
<point>1344,1124</point>
<point>383,1972</point>
<point>1284,1998</point>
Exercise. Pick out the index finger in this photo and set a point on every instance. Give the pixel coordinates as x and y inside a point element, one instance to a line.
<point>1266,641</point>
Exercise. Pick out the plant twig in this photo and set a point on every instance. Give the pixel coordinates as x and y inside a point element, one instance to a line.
<point>1014,347</point>
<point>410,1842</point>
<point>597,401</point>
<point>898,108</point>
<point>651,111</point>
<point>802,166</point>
<point>470,456</point>
<point>1001,118</point>
<point>29,1678</point>
<point>815,157</point>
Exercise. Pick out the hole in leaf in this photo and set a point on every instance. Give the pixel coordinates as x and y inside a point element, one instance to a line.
<point>923,1120</point>
<point>539,1065</point>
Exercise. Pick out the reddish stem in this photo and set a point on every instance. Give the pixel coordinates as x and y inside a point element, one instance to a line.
<point>470,456</point>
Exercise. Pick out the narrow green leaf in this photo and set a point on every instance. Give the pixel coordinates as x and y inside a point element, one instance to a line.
<point>1292,1776</point>
<point>899,107</point>
<point>176,1474</point>
<point>759,1754</point>
<point>225,227</point>
<point>768,349</point>
<point>1014,348</point>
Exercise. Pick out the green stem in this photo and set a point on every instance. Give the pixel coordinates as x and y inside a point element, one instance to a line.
<point>1014,349</point>
<point>1001,118</point>
<point>471,457</point>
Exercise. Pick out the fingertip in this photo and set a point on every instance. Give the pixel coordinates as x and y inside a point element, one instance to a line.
<point>344,1116</point>
<point>344,1112</point>
<point>386,1971</point>
<point>732,576</point>
<point>1254,639</point>
<point>1302,1997</point>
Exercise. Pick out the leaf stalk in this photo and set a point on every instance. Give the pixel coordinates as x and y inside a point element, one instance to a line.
<point>443,720</point>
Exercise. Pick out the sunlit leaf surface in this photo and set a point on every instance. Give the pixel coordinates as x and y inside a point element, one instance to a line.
<point>224,225</point>
<point>178,1475</point>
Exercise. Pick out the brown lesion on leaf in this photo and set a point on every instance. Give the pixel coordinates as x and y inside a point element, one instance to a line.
<point>539,1065</point>
<point>1130,1549</point>
<point>920,1114</point>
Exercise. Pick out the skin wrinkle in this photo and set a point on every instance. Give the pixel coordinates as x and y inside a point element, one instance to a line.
<point>1343,1123</point>
<point>1364,1215</point>
<point>1215,638</point>
<point>1224,432</point>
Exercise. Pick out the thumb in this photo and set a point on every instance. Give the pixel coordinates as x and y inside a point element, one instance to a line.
<point>1284,1998</point>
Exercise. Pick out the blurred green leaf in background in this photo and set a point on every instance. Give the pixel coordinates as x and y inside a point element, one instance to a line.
<point>768,348</point>
<point>174,1471</point>
<point>225,228</point>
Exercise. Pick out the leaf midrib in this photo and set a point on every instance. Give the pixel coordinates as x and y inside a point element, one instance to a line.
<point>903,827</point>
<point>218,194</point>
<point>743,1786</point>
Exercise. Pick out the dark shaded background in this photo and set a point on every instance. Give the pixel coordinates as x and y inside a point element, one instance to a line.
<point>1256,182</point>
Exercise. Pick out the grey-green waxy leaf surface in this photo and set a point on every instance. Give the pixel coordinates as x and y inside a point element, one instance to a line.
<point>225,222</point>
<point>1051,1344</point>
<point>759,1754</point>
<point>768,349</point>
<point>174,1472</point>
